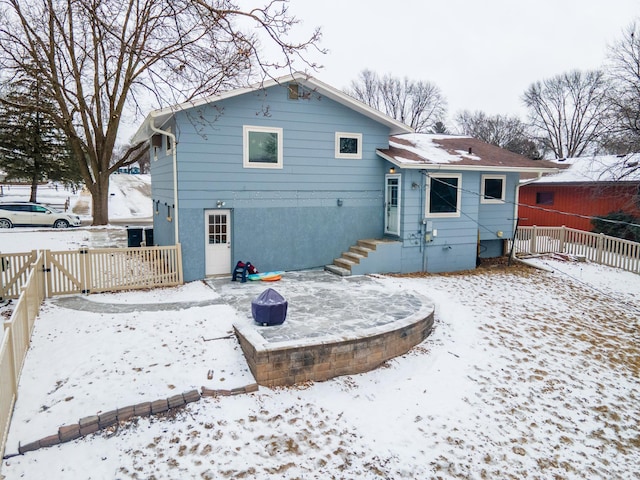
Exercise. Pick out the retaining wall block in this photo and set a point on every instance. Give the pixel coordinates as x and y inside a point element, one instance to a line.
<point>69,432</point>
<point>29,447</point>
<point>125,413</point>
<point>251,388</point>
<point>87,421</point>
<point>191,396</point>
<point>107,419</point>
<point>142,409</point>
<point>91,428</point>
<point>176,401</point>
<point>50,441</point>
<point>159,406</point>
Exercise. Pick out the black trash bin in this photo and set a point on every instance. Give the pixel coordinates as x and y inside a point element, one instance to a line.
<point>148,237</point>
<point>269,308</point>
<point>134,237</point>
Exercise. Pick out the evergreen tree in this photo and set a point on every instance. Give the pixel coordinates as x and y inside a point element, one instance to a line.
<point>32,148</point>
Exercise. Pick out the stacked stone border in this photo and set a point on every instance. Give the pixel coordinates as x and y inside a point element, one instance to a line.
<point>321,358</point>
<point>94,423</point>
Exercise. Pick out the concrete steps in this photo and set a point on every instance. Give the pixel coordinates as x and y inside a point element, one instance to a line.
<point>356,254</point>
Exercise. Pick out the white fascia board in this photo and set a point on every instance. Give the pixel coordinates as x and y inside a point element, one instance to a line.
<point>159,117</point>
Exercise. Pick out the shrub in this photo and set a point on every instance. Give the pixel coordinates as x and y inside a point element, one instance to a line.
<point>618,224</point>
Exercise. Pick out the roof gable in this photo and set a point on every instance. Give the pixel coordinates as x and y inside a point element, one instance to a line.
<point>451,152</point>
<point>157,118</point>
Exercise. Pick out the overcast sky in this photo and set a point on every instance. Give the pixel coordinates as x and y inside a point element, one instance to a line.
<point>483,54</point>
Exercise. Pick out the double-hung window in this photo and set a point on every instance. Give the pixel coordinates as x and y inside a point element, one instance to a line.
<point>443,195</point>
<point>262,147</point>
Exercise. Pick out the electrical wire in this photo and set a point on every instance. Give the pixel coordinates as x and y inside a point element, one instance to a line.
<point>455,207</point>
<point>589,217</point>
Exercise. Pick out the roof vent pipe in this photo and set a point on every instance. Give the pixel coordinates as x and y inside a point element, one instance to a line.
<point>470,152</point>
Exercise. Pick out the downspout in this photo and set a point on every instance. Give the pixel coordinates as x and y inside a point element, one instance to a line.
<point>423,213</point>
<point>175,177</point>
<point>516,220</point>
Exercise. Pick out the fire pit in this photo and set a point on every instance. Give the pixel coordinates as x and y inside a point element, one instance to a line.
<point>269,308</point>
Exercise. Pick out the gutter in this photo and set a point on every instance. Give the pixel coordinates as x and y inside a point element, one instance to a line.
<point>175,176</point>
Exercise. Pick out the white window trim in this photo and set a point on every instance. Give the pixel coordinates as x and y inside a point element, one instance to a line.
<point>399,206</point>
<point>168,143</point>
<point>354,156</point>
<point>458,196</point>
<point>504,188</point>
<point>246,129</point>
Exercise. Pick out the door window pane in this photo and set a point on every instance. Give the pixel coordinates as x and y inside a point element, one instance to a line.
<point>217,229</point>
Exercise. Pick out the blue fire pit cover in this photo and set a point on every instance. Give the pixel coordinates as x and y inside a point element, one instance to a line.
<point>269,308</point>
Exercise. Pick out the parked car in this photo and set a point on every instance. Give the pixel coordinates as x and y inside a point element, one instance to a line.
<point>23,214</point>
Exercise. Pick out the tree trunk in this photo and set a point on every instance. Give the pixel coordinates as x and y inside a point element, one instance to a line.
<point>100,199</point>
<point>34,186</point>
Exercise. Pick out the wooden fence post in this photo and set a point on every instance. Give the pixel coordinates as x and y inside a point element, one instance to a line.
<point>179,262</point>
<point>599,246</point>
<point>12,355</point>
<point>532,247</point>
<point>563,231</point>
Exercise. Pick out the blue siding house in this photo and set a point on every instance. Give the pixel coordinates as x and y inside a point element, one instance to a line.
<point>295,174</point>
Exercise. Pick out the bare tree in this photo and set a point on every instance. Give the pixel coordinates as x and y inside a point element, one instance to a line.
<point>623,72</point>
<point>503,131</point>
<point>570,111</point>
<point>417,104</point>
<point>98,59</point>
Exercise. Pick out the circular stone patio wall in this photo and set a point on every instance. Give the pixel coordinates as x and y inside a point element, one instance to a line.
<point>321,358</point>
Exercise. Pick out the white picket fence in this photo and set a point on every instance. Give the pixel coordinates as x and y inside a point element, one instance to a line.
<point>595,247</point>
<point>15,341</point>
<point>32,276</point>
<point>94,270</point>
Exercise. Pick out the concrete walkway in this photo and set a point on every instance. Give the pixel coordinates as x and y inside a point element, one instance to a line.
<point>85,304</point>
<point>319,303</point>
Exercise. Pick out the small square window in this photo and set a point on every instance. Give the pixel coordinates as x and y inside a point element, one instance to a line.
<point>262,147</point>
<point>444,195</point>
<point>348,145</point>
<point>493,189</point>
<point>544,198</point>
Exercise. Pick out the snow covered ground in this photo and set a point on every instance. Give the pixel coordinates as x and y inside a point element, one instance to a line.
<point>129,204</point>
<point>528,374</point>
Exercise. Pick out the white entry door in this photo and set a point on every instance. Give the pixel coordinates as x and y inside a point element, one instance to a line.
<point>217,234</point>
<point>392,205</point>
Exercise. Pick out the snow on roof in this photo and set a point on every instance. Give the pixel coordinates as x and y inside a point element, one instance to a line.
<point>431,151</point>
<point>602,168</point>
<point>423,145</point>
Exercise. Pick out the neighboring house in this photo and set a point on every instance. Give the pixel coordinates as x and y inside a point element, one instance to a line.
<point>586,187</point>
<point>291,174</point>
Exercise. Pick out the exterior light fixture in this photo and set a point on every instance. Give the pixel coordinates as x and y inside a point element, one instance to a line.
<point>392,170</point>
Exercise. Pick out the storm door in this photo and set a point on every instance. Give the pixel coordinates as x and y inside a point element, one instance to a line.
<point>392,205</point>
